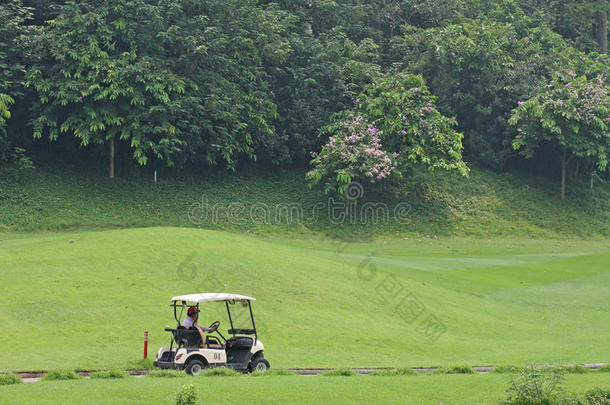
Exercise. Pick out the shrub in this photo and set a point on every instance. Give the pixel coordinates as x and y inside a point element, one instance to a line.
<point>7,379</point>
<point>55,375</point>
<point>455,369</point>
<point>344,372</point>
<point>187,395</point>
<point>535,387</point>
<point>597,396</point>
<point>576,369</point>
<point>395,372</point>
<point>220,372</point>
<point>604,369</point>
<point>505,369</point>
<point>110,374</point>
<point>167,373</point>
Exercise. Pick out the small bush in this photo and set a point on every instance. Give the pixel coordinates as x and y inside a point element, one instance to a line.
<point>576,369</point>
<point>604,369</point>
<point>167,373</point>
<point>110,374</point>
<point>395,372</point>
<point>535,387</point>
<point>7,379</point>
<point>597,396</point>
<point>505,369</point>
<point>55,375</point>
<point>141,364</point>
<point>187,395</point>
<point>344,372</point>
<point>220,372</point>
<point>455,369</point>
<point>272,372</point>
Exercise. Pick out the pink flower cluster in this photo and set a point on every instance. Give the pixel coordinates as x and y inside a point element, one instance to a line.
<point>356,148</point>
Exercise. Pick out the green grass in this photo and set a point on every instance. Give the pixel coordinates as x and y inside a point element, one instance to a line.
<point>221,372</point>
<point>109,374</point>
<point>88,297</point>
<point>141,364</point>
<point>10,378</point>
<point>436,204</point>
<point>395,372</point>
<point>55,375</point>
<point>340,372</point>
<point>272,372</point>
<point>421,389</point>
<point>157,373</point>
<point>455,369</point>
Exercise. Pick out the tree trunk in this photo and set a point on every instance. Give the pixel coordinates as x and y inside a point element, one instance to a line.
<point>564,163</point>
<point>307,25</point>
<point>111,159</point>
<point>602,29</point>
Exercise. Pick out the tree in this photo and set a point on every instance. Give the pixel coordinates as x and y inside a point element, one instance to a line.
<point>572,113</point>
<point>394,127</point>
<point>323,77</point>
<point>601,17</point>
<point>479,68</point>
<point>353,153</point>
<point>404,110</point>
<point>12,27</point>
<point>585,22</point>
<point>230,51</point>
<point>100,79</point>
<point>5,102</point>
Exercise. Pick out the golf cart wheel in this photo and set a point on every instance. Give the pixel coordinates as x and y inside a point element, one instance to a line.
<point>259,364</point>
<point>194,367</point>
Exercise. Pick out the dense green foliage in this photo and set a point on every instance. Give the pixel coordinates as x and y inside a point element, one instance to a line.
<point>572,115</point>
<point>395,126</point>
<point>99,77</point>
<point>195,83</point>
<point>187,395</point>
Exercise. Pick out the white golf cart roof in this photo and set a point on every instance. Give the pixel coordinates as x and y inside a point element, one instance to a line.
<point>212,297</point>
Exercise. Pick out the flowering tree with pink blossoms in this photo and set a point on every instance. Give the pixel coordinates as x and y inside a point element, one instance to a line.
<point>353,153</point>
<point>394,126</point>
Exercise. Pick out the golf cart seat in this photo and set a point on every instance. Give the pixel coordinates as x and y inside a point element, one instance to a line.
<point>187,337</point>
<point>191,338</point>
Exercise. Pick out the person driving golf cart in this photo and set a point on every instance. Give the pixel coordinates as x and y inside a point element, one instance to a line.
<point>190,321</point>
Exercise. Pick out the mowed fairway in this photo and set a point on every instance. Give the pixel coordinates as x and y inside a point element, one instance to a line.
<point>422,389</point>
<point>84,300</point>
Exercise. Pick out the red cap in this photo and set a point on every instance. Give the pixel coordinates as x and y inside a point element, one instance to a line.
<point>192,310</point>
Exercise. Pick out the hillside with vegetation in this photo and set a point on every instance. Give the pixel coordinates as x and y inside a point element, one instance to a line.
<point>438,204</point>
<point>373,92</point>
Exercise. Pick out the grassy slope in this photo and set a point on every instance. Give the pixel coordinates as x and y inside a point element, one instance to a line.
<point>84,299</point>
<point>438,203</point>
<point>436,389</point>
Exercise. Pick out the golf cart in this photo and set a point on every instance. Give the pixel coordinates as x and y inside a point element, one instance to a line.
<point>187,350</point>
